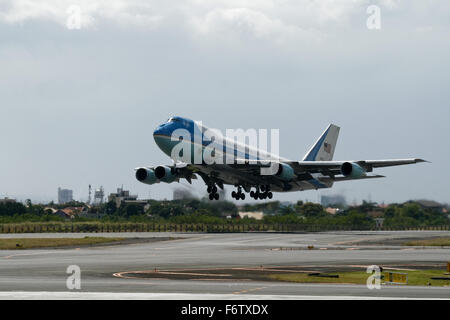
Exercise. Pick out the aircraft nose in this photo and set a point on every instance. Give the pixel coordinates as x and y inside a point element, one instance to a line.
<point>158,136</point>
<point>161,132</point>
<point>158,131</point>
<point>161,135</point>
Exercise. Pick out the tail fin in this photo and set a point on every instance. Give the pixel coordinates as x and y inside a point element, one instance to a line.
<point>323,149</point>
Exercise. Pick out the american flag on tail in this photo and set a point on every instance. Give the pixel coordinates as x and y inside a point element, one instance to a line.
<point>327,147</point>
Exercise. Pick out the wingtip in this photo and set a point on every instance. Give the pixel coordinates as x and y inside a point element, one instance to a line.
<point>422,160</point>
<point>376,176</point>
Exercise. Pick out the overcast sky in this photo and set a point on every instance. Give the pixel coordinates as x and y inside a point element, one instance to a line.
<point>78,106</point>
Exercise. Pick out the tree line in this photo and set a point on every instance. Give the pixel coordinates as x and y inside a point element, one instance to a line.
<point>219,212</point>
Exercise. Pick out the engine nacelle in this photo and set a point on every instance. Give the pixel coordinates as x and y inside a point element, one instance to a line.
<point>352,170</point>
<point>146,176</point>
<point>285,172</point>
<point>165,174</point>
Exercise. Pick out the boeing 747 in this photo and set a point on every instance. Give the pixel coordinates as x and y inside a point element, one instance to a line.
<point>199,151</point>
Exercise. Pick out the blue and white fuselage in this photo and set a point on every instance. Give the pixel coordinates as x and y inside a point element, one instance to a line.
<point>235,160</point>
<point>200,138</point>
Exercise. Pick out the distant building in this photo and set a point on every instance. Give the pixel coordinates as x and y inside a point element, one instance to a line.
<point>143,203</point>
<point>430,204</point>
<point>182,194</point>
<point>64,195</point>
<point>99,196</point>
<point>383,205</point>
<point>376,214</point>
<point>61,214</point>
<point>251,214</point>
<point>331,210</point>
<point>120,196</point>
<point>332,200</point>
<point>7,200</point>
<point>69,213</point>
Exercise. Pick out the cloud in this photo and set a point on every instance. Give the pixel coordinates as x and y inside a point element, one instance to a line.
<point>14,12</point>
<point>262,16</point>
<point>244,22</point>
<point>138,13</point>
<point>296,65</point>
<point>278,21</point>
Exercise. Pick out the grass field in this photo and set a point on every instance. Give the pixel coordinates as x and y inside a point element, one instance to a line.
<point>439,242</point>
<point>415,278</point>
<point>29,243</point>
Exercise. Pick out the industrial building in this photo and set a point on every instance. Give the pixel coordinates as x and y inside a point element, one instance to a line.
<point>332,200</point>
<point>121,195</point>
<point>7,200</point>
<point>64,196</point>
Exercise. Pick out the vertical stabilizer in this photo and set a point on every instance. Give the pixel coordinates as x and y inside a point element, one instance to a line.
<point>323,149</point>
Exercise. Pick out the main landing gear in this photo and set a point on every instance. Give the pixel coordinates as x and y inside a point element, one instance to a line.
<point>239,195</point>
<point>212,190</point>
<point>262,192</point>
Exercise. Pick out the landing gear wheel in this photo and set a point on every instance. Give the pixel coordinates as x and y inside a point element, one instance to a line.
<point>270,195</point>
<point>216,196</point>
<point>211,196</point>
<point>238,194</point>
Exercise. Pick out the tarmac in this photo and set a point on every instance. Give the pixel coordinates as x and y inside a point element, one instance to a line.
<point>200,266</point>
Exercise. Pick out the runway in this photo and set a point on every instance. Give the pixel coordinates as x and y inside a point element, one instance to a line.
<point>41,273</point>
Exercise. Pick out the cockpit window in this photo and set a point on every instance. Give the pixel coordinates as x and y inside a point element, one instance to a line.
<point>173,119</point>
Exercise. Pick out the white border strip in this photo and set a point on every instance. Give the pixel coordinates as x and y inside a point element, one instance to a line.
<point>64,295</point>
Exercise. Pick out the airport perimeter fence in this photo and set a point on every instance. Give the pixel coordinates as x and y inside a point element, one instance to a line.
<point>87,227</point>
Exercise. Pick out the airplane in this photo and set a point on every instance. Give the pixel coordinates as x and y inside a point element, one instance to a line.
<point>317,169</point>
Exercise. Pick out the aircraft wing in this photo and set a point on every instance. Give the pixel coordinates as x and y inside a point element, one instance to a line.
<point>371,163</point>
<point>304,169</point>
<point>245,171</point>
<point>337,179</point>
<point>327,167</point>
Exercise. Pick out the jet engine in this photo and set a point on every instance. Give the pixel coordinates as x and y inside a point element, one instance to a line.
<point>352,170</point>
<point>165,174</point>
<point>146,175</point>
<point>285,172</point>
